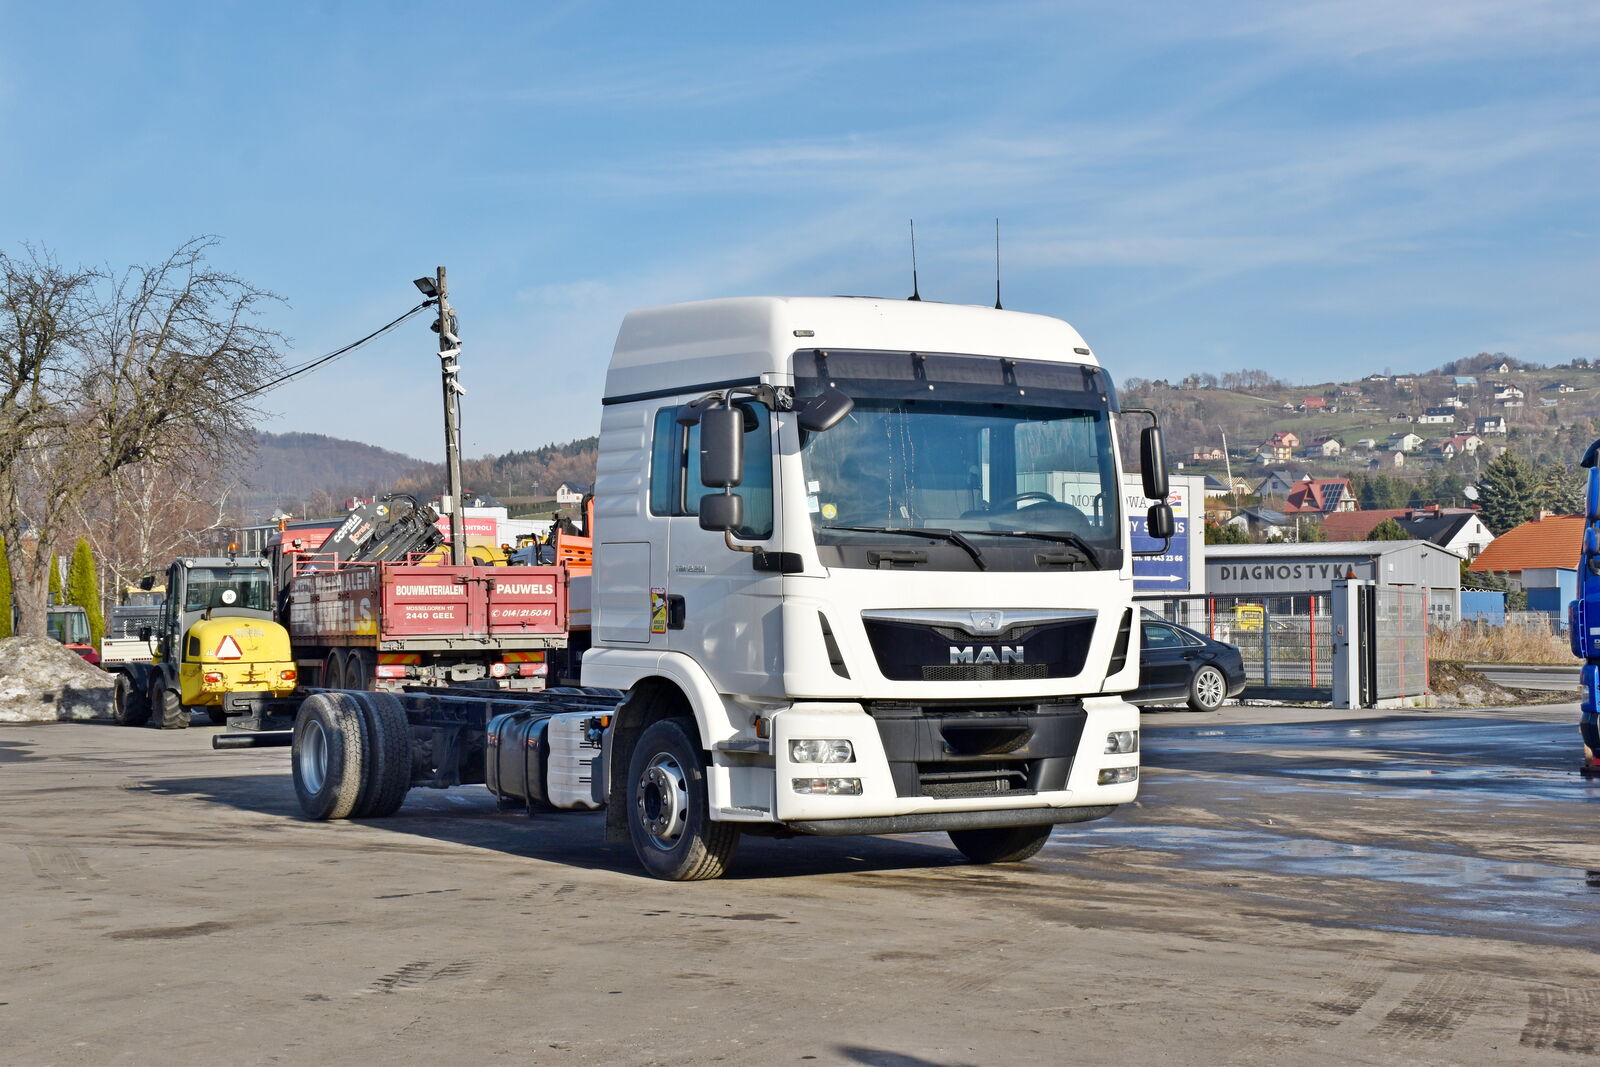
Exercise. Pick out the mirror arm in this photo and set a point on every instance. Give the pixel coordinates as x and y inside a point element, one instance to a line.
<point>1166,543</point>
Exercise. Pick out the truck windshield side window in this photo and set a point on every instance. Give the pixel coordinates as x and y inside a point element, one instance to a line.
<point>675,487</point>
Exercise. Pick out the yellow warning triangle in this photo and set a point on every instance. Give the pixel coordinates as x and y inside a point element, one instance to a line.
<point>228,648</point>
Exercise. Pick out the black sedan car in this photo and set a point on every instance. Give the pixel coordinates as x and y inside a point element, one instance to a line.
<point>1176,663</point>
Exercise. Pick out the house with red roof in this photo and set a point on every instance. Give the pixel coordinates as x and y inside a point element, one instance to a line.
<point>1281,445</point>
<point>1547,542</point>
<point>1458,529</point>
<point>1320,496</point>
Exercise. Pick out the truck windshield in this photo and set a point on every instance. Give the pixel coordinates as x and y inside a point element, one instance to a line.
<point>1000,475</point>
<point>68,627</point>
<point>206,587</point>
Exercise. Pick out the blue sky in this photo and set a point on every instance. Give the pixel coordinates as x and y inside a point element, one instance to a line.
<point>1322,189</point>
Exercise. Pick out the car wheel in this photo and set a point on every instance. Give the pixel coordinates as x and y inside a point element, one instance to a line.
<point>1207,689</point>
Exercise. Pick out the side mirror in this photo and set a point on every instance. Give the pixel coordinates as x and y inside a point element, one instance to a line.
<point>722,449</point>
<point>146,633</point>
<point>825,410</point>
<point>724,513</point>
<point>147,583</point>
<point>1158,523</point>
<point>1153,465</point>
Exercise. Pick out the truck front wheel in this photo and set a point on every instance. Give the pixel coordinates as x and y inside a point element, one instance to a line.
<point>1004,844</point>
<point>669,816</point>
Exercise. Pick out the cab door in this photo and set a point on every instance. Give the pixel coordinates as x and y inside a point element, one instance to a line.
<point>718,608</point>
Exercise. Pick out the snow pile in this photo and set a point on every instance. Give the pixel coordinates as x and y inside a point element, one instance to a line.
<point>40,681</point>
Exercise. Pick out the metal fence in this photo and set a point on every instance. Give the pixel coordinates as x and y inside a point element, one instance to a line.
<point>1286,640</point>
<point>1395,640</point>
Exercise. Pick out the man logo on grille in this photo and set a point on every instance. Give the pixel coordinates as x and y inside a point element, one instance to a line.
<point>984,654</point>
<point>988,622</point>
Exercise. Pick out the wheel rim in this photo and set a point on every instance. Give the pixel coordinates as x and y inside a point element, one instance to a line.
<point>312,759</point>
<point>1209,685</point>
<point>663,801</point>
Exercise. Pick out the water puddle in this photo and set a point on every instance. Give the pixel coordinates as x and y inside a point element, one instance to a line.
<point>1449,892</point>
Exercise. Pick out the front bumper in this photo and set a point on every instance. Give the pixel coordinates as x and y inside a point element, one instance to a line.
<point>917,771</point>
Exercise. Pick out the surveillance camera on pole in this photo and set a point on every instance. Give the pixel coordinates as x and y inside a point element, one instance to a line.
<point>446,327</point>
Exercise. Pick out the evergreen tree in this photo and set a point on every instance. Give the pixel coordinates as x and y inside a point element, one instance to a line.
<point>83,589</point>
<point>1224,534</point>
<point>1560,489</point>
<point>1312,532</point>
<point>5,590</point>
<point>55,579</point>
<point>1389,530</point>
<point>1507,492</point>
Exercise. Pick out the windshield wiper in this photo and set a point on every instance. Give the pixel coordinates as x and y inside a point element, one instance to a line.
<point>936,533</point>
<point>1064,538</point>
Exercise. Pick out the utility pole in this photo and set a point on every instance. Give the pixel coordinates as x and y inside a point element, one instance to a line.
<point>450,369</point>
<point>1227,461</point>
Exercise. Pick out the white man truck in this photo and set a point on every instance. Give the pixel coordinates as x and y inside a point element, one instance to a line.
<point>860,567</point>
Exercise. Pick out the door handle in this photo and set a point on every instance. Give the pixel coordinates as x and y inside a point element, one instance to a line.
<point>675,611</point>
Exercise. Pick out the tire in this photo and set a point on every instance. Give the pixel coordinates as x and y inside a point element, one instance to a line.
<point>333,671</point>
<point>360,671</point>
<point>1004,844</point>
<point>130,705</point>
<point>1207,689</point>
<point>174,714</point>
<point>329,755</point>
<point>217,716</point>
<point>669,817</point>
<point>388,764</point>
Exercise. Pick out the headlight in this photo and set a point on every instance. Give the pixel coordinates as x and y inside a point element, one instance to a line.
<point>821,750</point>
<point>833,787</point>
<point>1119,775</point>
<point>1122,742</point>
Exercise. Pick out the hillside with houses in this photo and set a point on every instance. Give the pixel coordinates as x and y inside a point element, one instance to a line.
<point>1428,437</point>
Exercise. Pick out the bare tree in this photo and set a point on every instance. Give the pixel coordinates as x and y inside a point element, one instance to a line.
<point>156,367</point>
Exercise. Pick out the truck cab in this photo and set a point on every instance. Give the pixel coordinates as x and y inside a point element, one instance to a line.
<point>910,614</point>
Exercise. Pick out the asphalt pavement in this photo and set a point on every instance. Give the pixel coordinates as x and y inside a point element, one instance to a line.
<point>1293,885</point>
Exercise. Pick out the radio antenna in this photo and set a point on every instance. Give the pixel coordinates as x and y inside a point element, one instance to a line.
<point>916,294</point>
<point>997,306</point>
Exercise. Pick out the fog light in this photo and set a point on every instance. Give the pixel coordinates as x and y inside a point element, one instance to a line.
<point>819,750</point>
<point>833,787</point>
<point>1119,775</point>
<point>287,676</point>
<point>213,677</point>
<point>1122,742</point>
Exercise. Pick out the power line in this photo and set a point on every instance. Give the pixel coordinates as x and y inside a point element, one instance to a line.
<point>295,372</point>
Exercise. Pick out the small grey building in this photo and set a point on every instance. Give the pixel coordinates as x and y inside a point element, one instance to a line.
<point>1289,570</point>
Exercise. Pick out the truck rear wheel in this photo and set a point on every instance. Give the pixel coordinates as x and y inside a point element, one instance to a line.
<point>360,670</point>
<point>174,715</point>
<point>1004,844</point>
<point>329,755</point>
<point>333,671</point>
<point>130,706</point>
<point>388,763</point>
<point>669,816</point>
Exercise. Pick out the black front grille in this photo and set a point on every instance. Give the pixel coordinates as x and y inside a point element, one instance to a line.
<point>908,651</point>
<point>979,749</point>
<point>985,779</point>
<point>987,672</point>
